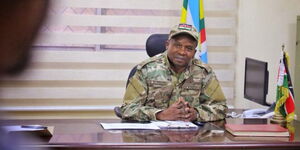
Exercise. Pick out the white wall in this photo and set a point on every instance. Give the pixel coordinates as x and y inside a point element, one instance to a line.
<point>263,26</point>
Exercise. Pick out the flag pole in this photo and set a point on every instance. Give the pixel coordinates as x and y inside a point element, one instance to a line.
<point>278,118</point>
<point>282,47</point>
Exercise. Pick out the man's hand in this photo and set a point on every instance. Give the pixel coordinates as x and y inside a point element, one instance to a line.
<point>180,110</point>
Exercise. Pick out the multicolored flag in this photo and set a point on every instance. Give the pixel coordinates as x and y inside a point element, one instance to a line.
<point>285,104</point>
<point>193,13</point>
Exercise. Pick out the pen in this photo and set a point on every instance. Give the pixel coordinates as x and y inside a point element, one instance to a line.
<point>198,123</point>
<point>34,127</point>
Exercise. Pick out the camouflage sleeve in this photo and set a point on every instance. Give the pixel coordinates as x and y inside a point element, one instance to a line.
<point>212,100</point>
<point>134,100</point>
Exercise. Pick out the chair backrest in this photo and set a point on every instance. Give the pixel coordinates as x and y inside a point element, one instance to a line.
<point>155,44</point>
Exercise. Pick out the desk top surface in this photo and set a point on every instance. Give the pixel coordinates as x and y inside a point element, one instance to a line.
<point>86,133</point>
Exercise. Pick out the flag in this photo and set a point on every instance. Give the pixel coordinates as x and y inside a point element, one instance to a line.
<point>285,104</point>
<point>193,13</point>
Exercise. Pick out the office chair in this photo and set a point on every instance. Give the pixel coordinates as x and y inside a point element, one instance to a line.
<point>155,44</point>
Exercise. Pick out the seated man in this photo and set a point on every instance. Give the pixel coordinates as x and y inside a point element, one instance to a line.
<point>174,85</point>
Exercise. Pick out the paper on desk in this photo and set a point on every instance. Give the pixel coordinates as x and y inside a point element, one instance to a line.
<point>174,124</point>
<point>154,125</point>
<point>114,126</point>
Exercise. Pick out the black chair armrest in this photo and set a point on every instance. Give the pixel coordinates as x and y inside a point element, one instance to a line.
<point>118,111</point>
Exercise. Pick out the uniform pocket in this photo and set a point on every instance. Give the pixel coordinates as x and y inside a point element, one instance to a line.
<point>157,83</point>
<point>159,93</point>
<point>191,89</point>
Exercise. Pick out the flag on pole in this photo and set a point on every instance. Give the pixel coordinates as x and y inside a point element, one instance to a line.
<point>193,13</point>
<point>285,104</point>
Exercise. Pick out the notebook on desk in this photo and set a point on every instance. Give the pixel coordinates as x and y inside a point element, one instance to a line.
<point>46,131</point>
<point>259,138</point>
<point>256,130</point>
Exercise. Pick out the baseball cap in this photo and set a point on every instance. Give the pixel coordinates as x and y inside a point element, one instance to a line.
<point>186,29</point>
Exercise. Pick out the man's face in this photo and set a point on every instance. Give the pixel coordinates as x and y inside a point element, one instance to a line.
<point>181,49</point>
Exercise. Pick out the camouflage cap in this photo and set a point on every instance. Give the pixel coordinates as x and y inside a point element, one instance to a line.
<point>186,29</point>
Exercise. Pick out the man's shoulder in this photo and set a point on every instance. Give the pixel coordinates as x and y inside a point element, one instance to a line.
<point>151,61</point>
<point>201,65</point>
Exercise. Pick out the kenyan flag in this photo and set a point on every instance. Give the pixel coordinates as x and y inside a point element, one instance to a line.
<point>285,104</point>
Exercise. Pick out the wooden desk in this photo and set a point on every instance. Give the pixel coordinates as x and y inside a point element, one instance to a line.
<point>88,134</point>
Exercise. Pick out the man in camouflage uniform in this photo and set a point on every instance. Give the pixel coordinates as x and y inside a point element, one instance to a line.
<point>174,85</point>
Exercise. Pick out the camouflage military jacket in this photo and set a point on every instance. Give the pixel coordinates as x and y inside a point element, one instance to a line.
<point>155,86</point>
